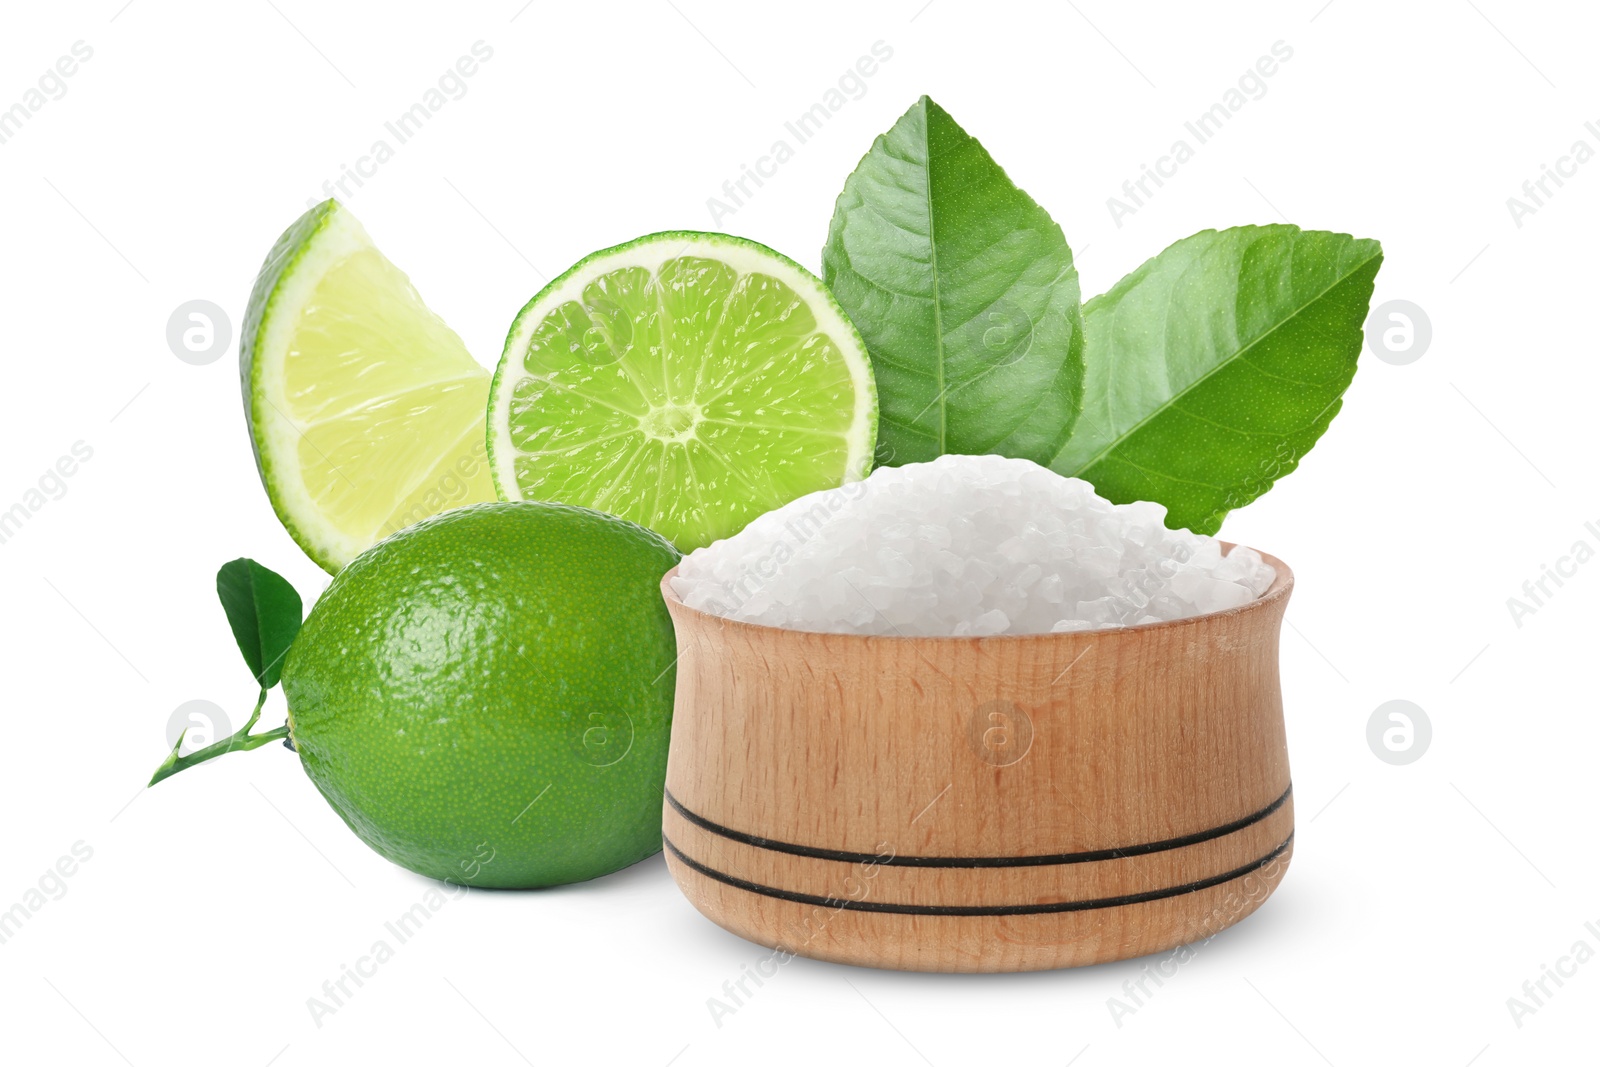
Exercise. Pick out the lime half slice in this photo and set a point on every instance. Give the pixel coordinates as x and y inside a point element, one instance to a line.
<point>686,381</point>
<point>365,409</point>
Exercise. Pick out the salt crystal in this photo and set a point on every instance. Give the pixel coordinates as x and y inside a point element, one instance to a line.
<point>966,545</point>
<point>991,622</point>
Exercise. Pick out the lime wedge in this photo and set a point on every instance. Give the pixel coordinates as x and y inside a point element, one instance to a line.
<point>685,381</point>
<point>365,409</point>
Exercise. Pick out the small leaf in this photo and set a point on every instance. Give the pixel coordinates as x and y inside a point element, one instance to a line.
<point>265,613</point>
<point>1214,367</point>
<point>965,293</point>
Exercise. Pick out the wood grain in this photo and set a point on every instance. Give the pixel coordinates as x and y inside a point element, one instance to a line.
<point>980,804</point>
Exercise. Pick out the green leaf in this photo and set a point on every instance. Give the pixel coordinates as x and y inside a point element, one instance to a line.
<point>965,292</point>
<point>1214,367</point>
<point>265,613</point>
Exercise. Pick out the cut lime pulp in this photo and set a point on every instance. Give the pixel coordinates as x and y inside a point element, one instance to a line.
<point>366,411</point>
<point>685,381</point>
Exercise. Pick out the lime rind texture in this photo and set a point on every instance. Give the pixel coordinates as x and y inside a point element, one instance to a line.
<point>485,697</point>
<point>287,252</point>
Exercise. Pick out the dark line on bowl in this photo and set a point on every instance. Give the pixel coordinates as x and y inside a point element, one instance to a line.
<point>978,910</point>
<point>1050,860</point>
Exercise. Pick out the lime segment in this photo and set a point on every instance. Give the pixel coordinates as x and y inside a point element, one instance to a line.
<point>365,409</point>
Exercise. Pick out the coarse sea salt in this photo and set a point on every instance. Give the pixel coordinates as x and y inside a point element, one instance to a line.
<point>966,546</point>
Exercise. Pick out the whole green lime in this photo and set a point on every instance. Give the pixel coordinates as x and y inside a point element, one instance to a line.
<point>485,697</point>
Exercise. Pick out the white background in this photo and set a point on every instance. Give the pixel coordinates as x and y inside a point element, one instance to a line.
<point>1421,897</point>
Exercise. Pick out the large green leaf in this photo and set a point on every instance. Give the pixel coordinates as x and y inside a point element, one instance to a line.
<point>265,613</point>
<point>1214,367</point>
<point>965,293</point>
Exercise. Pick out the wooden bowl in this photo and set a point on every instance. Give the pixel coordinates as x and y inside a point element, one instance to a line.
<point>980,804</point>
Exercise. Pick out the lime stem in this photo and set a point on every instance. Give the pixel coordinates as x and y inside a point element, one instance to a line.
<point>240,741</point>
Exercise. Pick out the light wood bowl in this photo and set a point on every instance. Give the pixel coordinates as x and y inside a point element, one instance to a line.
<point>980,804</point>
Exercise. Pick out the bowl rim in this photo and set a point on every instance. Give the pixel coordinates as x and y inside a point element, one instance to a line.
<point>1276,594</point>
